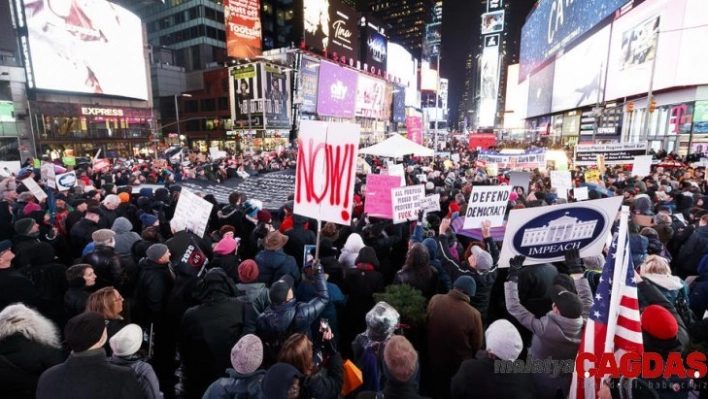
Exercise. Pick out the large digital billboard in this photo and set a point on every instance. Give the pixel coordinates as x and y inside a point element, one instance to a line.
<point>540,92</point>
<point>555,24</point>
<point>309,76</point>
<point>691,69</point>
<point>93,47</point>
<point>370,93</point>
<point>277,97</point>
<point>579,73</point>
<point>331,25</point>
<point>489,81</point>
<point>337,90</point>
<point>492,22</point>
<point>376,49</point>
<point>402,67</point>
<point>399,103</point>
<point>243,28</point>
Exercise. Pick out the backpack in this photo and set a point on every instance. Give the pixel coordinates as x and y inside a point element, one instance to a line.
<point>273,342</point>
<point>682,308</point>
<point>368,363</point>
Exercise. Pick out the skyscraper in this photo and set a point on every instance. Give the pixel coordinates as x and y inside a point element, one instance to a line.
<point>407,19</point>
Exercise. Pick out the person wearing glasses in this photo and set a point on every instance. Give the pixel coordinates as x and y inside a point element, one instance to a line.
<point>109,303</point>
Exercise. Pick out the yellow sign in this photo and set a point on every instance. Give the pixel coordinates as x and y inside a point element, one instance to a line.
<point>592,176</point>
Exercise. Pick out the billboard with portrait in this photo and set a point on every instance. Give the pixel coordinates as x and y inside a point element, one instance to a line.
<point>376,47</point>
<point>432,40</point>
<point>554,25</point>
<point>243,28</point>
<point>246,90</point>
<point>540,92</point>
<point>402,67</point>
<point>309,76</point>
<point>92,47</point>
<point>331,25</point>
<point>489,81</point>
<point>399,103</point>
<point>492,22</point>
<point>337,91</point>
<point>370,93</point>
<point>277,97</point>
<point>578,75</point>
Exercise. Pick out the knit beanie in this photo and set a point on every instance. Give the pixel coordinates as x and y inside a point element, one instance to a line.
<point>156,251</point>
<point>226,246</point>
<point>247,271</point>
<point>148,219</point>
<point>127,341</point>
<point>400,358</point>
<point>503,340</point>
<point>466,285</point>
<point>31,207</point>
<point>124,197</point>
<point>659,322</point>
<point>247,354</point>
<point>23,226</point>
<point>84,331</point>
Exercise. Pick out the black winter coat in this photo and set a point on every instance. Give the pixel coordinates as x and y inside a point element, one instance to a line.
<point>298,237</point>
<point>476,379</point>
<point>325,386</point>
<point>49,280</point>
<point>16,287</point>
<point>152,291</point>
<point>689,256</point>
<point>81,235</point>
<point>107,265</point>
<point>23,362</point>
<point>76,297</point>
<point>359,286</point>
<point>428,286</point>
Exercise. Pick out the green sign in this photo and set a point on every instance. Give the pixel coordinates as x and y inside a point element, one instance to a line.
<point>69,161</point>
<point>36,163</point>
<point>249,71</point>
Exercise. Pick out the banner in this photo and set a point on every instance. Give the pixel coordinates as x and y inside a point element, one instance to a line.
<point>430,203</point>
<point>543,234</point>
<point>34,188</point>
<point>48,174</point>
<point>277,102</point>
<point>614,154</point>
<point>102,163</point>
<point>326,170</point>
<point>65,181</point>
<point>405,202</point>
<point>247,93</point>
<point>530,159</point>
<point>243,28</point>
<point>487,203</point>
<point>192,213</point>
<point>378,195</point>
<point>414,128</point>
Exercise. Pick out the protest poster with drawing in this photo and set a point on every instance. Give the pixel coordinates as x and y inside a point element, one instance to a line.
<point>405,202</point>
<point>487,203</point>
<point>65,181</point>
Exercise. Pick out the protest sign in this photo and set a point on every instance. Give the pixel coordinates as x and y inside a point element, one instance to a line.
<point>492,169</point>
<point>326,168</point>
<point>397,170</point>
<point>422,178</point>
<point>430,203</point>
<point>613,154</point>
<point>192,213</point>
<point>455,157</point>
<point>65,181</point>
<point>10,167</point>
<point>99,164</point>
<point>642,165</point>
<point>34,188</point>
<point>562,181</point>
<point>581,193</point>
<point>69,160</point>
<point>405,202</point>
<point>378,195</point>
<point>48,175</point>
<point>215,153</point>
<point>487,203</point>
<point>592,176</point>
<point>520,179</point>
<point>543,234</point>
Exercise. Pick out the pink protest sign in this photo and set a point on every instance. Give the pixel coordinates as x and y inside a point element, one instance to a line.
<point>378,195</point>
<point>414,127</point>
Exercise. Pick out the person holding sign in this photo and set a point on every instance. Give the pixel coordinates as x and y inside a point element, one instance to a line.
<point>478,263</point>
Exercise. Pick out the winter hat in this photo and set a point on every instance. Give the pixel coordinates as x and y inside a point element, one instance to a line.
<point>264,216</point>
<point>5,245</point>
<point>127,341</point>
<point>466,285</point>
<point>483,258</point>
<point>60,196</point>
<point>659,322</point>
<point>503,340</point>
<point>23,226</point>
<point>145,192</point>
<point>275,240</point>
<point>248,271</point>
<point>429,186</point>
<point>276,383</point>
<point>367,255</point>
<point>148,219</point>
<point>84,331</point>
<point>124,197</point>
<point>251,207</point>
<point>400,358</point>
<point>247,354</point>
<point>279,289</point>
<point>513,196</point>
<point>226,246</point>
<point>31,207</point>
<point>568,303</point>
<point>102,235</point>
<point>156,251</point>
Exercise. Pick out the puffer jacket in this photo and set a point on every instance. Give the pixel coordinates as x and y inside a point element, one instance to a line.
<point>236,385</point>
<point>107,265</point>
<point>144,372</point>
<point>257,299</point>
<point>699,291</point>
<point>350,251</point>
<point>272,265</point>
<point>125,238</point>
<point>670,286</point>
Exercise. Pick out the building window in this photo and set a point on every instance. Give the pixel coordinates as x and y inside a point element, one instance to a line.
<point>208,105</point>
<point>223,103</point>
<point>191,106</point>
<point>180,18</point>
<point>193,13</point>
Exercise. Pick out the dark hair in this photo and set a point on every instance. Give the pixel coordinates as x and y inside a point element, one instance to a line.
<point>418,261</point>
<point>297,352</point>
<point>234,197</point>
<point>367,255</point>
<point>77,271</point>
<point>150,233</point>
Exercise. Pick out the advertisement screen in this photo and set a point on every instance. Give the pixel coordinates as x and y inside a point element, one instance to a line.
<point>337,91</point>
<point>331,25</point>
<point>556,24</point>
<point>578,75</point>
<point>370,93</point>
<point>492,22</point>
<point>700,117</point>
<point>401,65</point>
<point>489,81</point>
<point>540,92</point>
<point>247,89</point>
<point>493,5</point>
<point>376,49</point>
<point>309,75</point>
<point>428,79</point>
<point>432,40</point>
<point>93,47</point>
<point>277,101</point>
<point>243,28</point>
<point>399,103</point>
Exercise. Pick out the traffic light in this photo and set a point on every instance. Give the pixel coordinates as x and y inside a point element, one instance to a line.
<point>630,107</point>
<point>652,105</point>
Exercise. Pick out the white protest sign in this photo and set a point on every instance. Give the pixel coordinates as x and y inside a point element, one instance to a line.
<point>520,179</point>
<point>430,203</point>
<point>581,193</point>
<point>65,181</point>
<point>215,153</point>
<point>405,202</point>
<point>397,170</point>
<point>192,213</point>
<point>10,167</point>
<point>48,175</point>
<point>492,169</point>
<point>455,157</point>
<point>326,170</point>
<point>544,234</point>
<point>422,178</point>
<point>642,166</point>
<point>35,189</point>
<point>487,203</point>
<point>561,179</point>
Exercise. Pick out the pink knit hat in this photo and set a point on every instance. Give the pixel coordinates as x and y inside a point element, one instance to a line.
<point>226,246</point>
<point>31,207</point>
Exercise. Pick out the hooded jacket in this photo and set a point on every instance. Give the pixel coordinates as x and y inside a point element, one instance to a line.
<point>256,299</point>
<point>107,265</point>
<point>351,250</point>
<point>49,279</point>
<point>125,237</point>
<point>670,286</point>
<point>30,344</point>
<point>699,291</point>
<point>145,373</point>
<point>689,256</point>
<point>234,385</point>
<point>298,237</point>
<point>272,265</point>
<point>152,291</point>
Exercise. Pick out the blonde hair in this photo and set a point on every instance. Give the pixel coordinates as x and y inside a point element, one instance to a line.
<point>655,264</point>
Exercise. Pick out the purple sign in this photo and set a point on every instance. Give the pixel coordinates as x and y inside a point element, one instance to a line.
<point>337,91</point>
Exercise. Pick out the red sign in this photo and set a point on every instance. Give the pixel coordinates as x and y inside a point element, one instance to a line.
<point>243,28</point>
<point>102,163</point>
<point>482,140</point>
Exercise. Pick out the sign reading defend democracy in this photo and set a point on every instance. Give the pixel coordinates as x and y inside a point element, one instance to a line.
<point>487,203</point>
<point>405,202</point>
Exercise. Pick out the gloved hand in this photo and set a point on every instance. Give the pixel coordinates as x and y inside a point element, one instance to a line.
<point>421,213</point>
<point>515,265</point>
<point>574,262</point>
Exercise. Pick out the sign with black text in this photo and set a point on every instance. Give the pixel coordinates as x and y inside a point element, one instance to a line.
<point>487,203</point>
<point>614,154</point>
<point>406,202</point>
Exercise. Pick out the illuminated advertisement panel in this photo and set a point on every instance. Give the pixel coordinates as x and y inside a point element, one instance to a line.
<point>370,97</point>
<point>243,28</point>
<point>376,49</point>
<point>331,25</point>
<point>492,22</point>
<point>309,76</point>
<point>489,81</point>
<point>402,67</point>
<point>337,91</point>
<point>93,47</point>
<point>540,92</point>
<point>428,79</point>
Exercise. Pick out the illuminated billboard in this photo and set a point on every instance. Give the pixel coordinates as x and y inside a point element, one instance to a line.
<point>370,93</point>
<point>92,47</point>
<point>309,77</point>
<point>492,22</point>
<point>243,28</point>
<point>337,92</point>
<point>489,81</point>
<point>376,47</point>
<point>401,66</point>
<point>540,94</point>
<point>331,26</point>
<point>428,79</point>
<point>556,24</point>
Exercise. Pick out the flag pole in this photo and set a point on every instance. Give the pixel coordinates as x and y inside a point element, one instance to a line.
<point>317,246</point>
<point>619,274</point>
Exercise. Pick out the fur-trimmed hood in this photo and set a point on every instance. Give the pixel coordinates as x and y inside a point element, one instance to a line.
<point>20,319</point>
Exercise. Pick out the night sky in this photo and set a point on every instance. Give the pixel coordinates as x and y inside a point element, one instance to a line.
<point>460,35</point>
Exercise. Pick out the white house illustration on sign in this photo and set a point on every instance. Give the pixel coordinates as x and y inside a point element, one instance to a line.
<point>565,228</point>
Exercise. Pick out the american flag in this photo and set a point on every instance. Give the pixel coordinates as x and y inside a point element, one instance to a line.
<point>613,324</point>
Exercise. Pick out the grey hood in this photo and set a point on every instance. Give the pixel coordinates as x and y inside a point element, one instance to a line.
<point>122,225</point>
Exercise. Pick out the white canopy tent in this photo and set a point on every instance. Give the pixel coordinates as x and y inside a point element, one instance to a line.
<point>397,146</point>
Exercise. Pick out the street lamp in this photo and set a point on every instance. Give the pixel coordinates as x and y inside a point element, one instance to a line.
<point>177,110</point>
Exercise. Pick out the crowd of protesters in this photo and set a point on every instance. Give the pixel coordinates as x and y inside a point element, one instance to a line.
<point>101,297</point>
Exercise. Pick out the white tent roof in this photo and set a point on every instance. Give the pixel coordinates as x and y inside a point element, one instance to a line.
<point>397,146</point>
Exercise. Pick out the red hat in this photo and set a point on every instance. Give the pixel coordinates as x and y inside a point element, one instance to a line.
<point>357,199</point>
<point>248,271</point>
<point>86,180</point>
<point>264,216</point>
<point>454,207</point>
<point>659,322</point>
